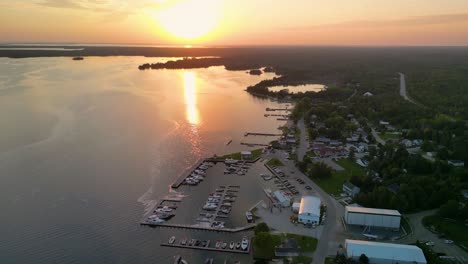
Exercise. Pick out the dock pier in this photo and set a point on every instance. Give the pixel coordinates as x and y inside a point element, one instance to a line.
<point>262,134</point>
<point>278,109</point>
<point>198,227</point>
<point>254,144</point>
<point>238,251</point>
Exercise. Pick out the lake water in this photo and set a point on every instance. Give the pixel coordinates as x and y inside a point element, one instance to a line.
<point>299,88</point>
<point>87,146</point>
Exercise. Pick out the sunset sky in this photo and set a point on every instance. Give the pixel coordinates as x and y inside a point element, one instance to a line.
<point>236,22</point>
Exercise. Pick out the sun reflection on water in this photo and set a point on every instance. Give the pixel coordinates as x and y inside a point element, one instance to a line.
<point>191,98</point>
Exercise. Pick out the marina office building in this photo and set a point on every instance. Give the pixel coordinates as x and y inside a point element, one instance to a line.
<point>309,210</point>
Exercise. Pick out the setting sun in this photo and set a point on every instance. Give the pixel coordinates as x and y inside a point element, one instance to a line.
<point>189,19</point>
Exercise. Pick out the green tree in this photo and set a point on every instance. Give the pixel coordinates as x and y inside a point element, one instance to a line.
<point>261,227</point>
<point>363,259</point>
<point>320,170</point>
<point>450,209</point>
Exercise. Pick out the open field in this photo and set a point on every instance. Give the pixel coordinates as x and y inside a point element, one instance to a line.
<point>334,184</point>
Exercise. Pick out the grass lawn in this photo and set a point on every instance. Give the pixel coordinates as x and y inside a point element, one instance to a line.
<point>274,162</point>
<point>454,230</point>
<point>307,244</point>
<point>311,154</point>
<point>237,156</point>
<point>301,260</point>
<point>335,183</point>
<point>387,136</point>
<point>329,260</point>
<point>265,248</point>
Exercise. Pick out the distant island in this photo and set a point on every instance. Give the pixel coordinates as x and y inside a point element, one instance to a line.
<point>186,63</point>
<point>78,58</point>
<point>255,72</point>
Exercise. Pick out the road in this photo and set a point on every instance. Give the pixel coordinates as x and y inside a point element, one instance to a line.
<point>304,143</point>
<point>332,233</point>
<point>422,234</point>
<point>403,91</point>
<point>377,137</point>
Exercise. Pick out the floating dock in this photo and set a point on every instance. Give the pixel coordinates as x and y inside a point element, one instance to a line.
<point>254,144</point>
<point>197,227</point>
<point>238,251</point>
<point>278,109</point>
<point>262,134</point>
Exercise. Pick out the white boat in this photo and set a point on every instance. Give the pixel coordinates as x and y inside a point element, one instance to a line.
<point>210,206</point>
<point>249,216</point>
<point>238,245</point>
<point>183,241</point>
<point>232,244</point>
<point>200,172</point>
<point>155,221</point>
<point>230,161</point>
<point>223,245</point>
<point>171,240</point>
<point>218,244</point>
<point>245,243</point>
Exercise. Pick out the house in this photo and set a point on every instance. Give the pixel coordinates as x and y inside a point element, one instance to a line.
<point>327,152</point>
<point>335,143</point>
<point>309,211</point>
<point>350,189</point>
<point>246,154</point>
<point>322,139</point>
<point>407,143</point>
<point>384,123</point>
<point>362,162</point>
<point>287,248</point>
<point>393,188</point>
<point>456,163</point>
<point>465,194</point>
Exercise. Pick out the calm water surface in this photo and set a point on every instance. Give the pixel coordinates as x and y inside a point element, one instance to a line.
<point>87,146</point>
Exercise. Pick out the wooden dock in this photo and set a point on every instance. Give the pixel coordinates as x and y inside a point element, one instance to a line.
<point>278,109</point>
<point>238,251</point>
<point>205,228</point>
<point>262,134</point>
<point>254,144</point>
<point>185,174</point>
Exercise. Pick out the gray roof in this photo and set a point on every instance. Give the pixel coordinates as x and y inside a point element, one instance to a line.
<point>365,210</point>
<point>387,251</point>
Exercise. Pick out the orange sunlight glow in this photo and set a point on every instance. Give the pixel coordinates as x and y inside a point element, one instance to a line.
<point>189,19</point>
<point>191,97</point>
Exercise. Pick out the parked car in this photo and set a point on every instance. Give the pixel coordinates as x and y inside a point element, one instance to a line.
<point>308,187</point>
<point>448,241</point>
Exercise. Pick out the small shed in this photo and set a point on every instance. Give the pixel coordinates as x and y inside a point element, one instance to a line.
<point>295,207</point>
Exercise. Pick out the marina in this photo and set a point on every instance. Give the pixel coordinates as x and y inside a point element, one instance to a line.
<point>227,250</point>
<point>199,227</point>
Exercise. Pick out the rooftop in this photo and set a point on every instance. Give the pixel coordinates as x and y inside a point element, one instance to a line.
<point>393,252</point>
<point>310,204</point>
<point>377,211</point>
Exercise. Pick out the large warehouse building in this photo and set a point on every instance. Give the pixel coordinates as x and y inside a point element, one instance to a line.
<point>372,217</point>
<point>309,210</point>
<point>384,253</point>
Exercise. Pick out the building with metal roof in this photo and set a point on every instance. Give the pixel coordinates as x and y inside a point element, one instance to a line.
<point>309,210</point>
<point>384,253</point>
<point>372,217</point>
